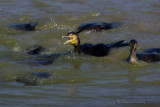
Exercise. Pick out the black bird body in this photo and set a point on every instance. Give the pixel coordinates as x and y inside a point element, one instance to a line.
<point>98,50</point>
<point>98,26</point>
<point>46,59</point>
<point>152,50</point>
<point>32,79</point>
<point>35,55</point>
<point>147,57</point>
<point>28,26</point>
<point>94,50</point>
<point>34,50</point>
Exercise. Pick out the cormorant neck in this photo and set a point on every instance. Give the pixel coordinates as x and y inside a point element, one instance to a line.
<point>77,48</point>
<point>132,53</point>
<point>132,56</point>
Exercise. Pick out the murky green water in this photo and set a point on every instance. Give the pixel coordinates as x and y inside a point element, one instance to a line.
<point>79,80</point>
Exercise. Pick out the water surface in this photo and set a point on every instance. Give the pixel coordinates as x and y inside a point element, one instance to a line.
<point>79,80</point>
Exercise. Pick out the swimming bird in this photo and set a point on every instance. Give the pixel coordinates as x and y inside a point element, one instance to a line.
<point>46,59</point>
<point>152,50</point>
<point>97,50</point>
<point>28,26</point>
<point>33,79</point>
<point>35,56</point>
<point>34,50</point>
<point>98,26</point>
<point>134,57</point>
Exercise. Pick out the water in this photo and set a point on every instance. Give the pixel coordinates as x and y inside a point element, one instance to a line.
<point>79,80</point>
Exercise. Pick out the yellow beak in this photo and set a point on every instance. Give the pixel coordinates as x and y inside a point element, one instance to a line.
<point>68,41</point>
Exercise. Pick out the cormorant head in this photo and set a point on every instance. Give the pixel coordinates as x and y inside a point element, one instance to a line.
<point>73,38</point>
<point>133,45</point>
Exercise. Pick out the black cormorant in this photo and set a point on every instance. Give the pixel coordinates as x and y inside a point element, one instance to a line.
<point>36,57</point>
<point>98,50</point>
<point>28,26</point>
<point>152,50</point>
<point>97,26</point>
<point>134,57</point>
<point>34,50</point>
